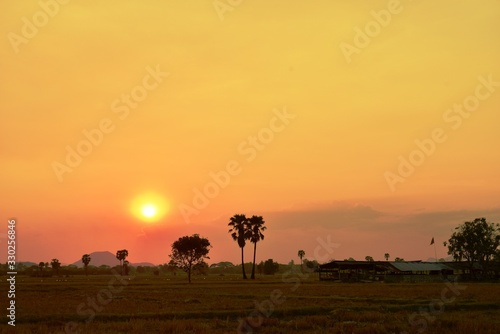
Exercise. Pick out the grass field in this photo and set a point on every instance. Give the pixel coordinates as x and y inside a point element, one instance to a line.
<point>284,303</point>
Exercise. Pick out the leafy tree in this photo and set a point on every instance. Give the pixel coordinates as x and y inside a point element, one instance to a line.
<point>201,268</point>
<point>55,264</point>
<point>86,260</point>
<point>260,267</point>
<point>239,233</point>
<point>386,255</point>
<point>398,259</point>
<point>41,265</point>
<point>270,267</point>
<point>188,251</point>
<point>121,255</point>
<point>368,258</point>
<point>476,242</point>
<point>311,265</point>
<point>301,254</point>
<point>255,228</point>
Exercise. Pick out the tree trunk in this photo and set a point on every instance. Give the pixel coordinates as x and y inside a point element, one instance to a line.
<point>243,265</point>
<point>253,266</point>
<point>189,274</point>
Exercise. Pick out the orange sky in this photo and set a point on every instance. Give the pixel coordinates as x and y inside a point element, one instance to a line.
<point>308,108</point>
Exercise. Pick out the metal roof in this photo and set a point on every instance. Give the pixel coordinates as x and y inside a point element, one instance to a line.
<point>419,266</point>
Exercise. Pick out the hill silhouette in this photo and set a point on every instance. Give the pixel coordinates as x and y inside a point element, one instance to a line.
<point>108,259</point>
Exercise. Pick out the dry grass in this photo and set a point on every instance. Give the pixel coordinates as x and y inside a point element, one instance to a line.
<point>213,305</point>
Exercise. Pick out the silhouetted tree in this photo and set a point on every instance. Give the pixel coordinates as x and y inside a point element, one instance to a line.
<point>200,268</point>
<point>260,267</point>
<point>188,251</point>
<point>270,267</point>
<point>41,265</point>
<point>398,259</point>
<point>55,264</point>
<point>126,267</point>
<point>476,242</point>
<point>239,233</point>
<point>386,255</point>
<point>86,260</point>
<point>311,265</point>
<point>301,254</point>
<point>368,258</point>
<point>121,255</point>
<point>255,228</point>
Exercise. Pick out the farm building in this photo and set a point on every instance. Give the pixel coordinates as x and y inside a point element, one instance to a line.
<point>413,271</point>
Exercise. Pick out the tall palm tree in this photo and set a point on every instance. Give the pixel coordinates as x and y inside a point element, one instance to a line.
<point>86,260</point>
<point>301,254</point>
<point>121,255</point>
<point>255,227</point>
<point>386,255</point>
<point>239,233</point>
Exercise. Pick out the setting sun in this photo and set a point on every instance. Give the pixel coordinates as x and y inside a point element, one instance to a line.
<point>149,210</point>
<point>150,207</point>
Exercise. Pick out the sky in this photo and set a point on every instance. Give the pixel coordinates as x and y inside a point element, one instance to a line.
<point>367,126</point>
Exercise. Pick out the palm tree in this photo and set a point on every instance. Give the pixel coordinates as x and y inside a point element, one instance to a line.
<point>239,233</point>
<point>86,260</point>
<point>121,255</point>
<point>386,255</point>
<point>301,254</point>
<point>256,227</point>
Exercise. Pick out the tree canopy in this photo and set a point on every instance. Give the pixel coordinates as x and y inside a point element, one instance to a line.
<point>189,251</point>
<point>476,241</point>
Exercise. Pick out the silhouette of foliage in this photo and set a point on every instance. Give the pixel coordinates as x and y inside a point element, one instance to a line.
<point>121,255</point>
<point>476,242</point>
<point>271,267</point>
<point>301,254</point>
<point>55,264</point>
<point>189,251</point>
<point>239,233</point>
<point>86,260</point>
<point>255,227</point>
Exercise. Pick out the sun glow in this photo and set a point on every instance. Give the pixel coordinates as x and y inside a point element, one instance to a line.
<point>149,210</point>
<point>150,207</point>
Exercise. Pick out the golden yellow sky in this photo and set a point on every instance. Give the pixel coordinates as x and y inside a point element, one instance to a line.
<point>212,77</point>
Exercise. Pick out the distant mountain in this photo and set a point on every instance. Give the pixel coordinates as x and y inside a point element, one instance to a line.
<point>108,259</point>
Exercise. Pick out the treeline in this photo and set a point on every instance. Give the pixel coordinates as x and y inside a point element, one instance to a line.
<point>268,267</point>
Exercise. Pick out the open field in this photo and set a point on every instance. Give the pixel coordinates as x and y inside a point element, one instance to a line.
<point>289,303</point>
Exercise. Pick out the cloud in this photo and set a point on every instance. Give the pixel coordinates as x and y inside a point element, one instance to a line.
<point>355,216</point>
<point>334,215</point>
